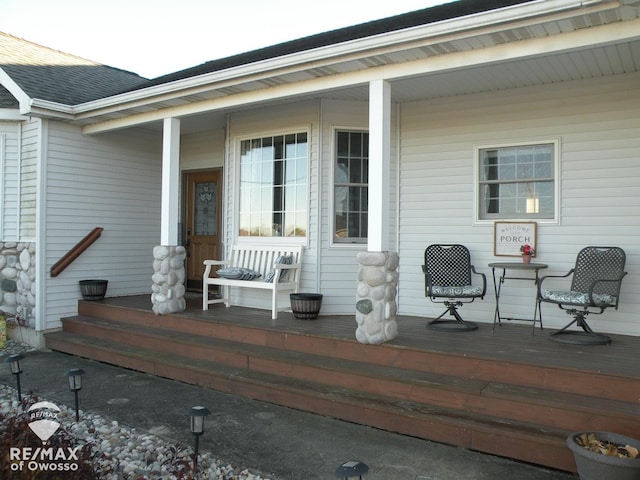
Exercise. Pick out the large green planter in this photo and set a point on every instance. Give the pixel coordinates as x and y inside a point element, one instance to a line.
<point>596,466</point>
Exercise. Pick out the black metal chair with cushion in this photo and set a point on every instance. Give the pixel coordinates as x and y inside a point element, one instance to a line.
<point>595,286</point>
<point>448,280</point>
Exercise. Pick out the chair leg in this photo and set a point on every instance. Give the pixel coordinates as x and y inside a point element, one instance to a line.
<point>457,325</point>
<point>586,337</point>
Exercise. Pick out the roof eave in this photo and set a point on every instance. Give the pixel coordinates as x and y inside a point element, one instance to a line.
<point>451,27</point>
<point>45,108</point>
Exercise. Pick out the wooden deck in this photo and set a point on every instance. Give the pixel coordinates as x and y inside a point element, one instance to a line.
<point>511,342</point>
<point>508,393</point>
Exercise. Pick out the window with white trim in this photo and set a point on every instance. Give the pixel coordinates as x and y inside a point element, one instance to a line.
<point>351,187</point>
<point>517,181</point>
<point>273,186</point>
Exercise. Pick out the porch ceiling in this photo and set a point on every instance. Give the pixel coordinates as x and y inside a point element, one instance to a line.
<point>425,62</point>
<point>585,64</point>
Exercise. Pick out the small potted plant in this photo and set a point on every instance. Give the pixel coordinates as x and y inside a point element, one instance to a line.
<point>605,455</point>
<point>527,252</point>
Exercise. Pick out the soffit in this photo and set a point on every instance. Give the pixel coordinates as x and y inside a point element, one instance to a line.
<point>580,63</point>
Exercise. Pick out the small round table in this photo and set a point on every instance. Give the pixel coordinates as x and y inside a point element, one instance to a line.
<point>497,285</point>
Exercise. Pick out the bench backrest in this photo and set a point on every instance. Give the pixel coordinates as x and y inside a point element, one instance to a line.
<point>262,257</point>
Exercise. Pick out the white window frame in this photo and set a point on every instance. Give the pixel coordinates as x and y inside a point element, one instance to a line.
<point>280,240</point>
<point>334,157</point>
<point>555,142</point>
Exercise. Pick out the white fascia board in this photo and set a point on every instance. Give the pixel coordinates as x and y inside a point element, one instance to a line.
<point>14,89</point>
<point>451,27</point>
<point>11,115</point>
<point>46,108</point>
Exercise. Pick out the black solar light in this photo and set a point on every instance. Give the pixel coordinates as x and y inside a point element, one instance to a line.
<point>75,385</point>
<point>197,415</point>
<point>351,469</point>
<point>16,369</point>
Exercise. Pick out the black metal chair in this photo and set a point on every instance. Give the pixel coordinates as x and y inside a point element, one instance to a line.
<point>448,280</point>
<point>595,286</point>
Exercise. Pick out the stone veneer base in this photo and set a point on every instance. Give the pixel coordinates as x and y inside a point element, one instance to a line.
<point>376,305</point>
<point>168,279</point>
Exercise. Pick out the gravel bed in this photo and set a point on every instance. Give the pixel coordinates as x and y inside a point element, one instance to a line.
<point>130,454</point>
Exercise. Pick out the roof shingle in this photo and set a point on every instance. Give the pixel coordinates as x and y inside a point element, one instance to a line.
<point>55,76</point>
<point>59,77</point>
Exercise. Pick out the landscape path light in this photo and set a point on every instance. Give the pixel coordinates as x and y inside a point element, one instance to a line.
<point>351,469</point>
<point>197,415</point>
<point>16,369</point>
<point>75,385</point>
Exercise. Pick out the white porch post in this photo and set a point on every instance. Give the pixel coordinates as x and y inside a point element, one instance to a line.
<point>379,164</point>
<point>169,257</point>
<point>170,181</point>
<point>376,305</point>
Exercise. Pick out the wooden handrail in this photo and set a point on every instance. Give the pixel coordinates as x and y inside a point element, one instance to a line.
<point>75,252</point>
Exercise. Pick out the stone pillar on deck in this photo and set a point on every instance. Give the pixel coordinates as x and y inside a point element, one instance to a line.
<point>376,305</point>
<point>168,279</point>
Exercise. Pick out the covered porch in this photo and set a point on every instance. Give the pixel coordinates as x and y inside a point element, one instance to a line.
<point>510,392</point>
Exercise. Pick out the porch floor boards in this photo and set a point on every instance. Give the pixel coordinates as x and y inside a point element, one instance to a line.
<point>508,393</point>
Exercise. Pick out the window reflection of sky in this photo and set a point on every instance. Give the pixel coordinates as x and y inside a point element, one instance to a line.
<point>273,186</point>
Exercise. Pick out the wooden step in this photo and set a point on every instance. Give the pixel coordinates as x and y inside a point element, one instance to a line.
<point>535,405</point>
<point>509,399</point>
<point>592,383</point>
<point>515,439</point>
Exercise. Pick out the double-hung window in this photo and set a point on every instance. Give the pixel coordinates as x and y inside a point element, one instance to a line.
<point>517,181</point>
<point>273,186</point>
<point>351,187</point>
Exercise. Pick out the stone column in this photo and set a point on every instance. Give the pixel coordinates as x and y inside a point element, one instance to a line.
<point>168,279</point>
<point>17,281</point>
<point>376,305</point>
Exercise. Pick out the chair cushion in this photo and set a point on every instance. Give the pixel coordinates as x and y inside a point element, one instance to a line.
<point>283,259</point>
<point>570,297</point>
<point>238,273</point>
<point>453,292</point>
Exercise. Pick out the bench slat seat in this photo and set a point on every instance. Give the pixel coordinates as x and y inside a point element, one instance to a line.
<point>260,258</point>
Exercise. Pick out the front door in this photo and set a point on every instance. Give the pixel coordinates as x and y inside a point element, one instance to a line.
<point>202,226</point>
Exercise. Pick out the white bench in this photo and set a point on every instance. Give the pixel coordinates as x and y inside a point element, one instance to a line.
<point>259,258</point>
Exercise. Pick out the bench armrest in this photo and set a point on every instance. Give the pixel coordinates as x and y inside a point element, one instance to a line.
<point>210,263</point>
<point>284,266</point>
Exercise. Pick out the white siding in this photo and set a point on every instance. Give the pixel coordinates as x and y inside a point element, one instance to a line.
<point>275,120</point>
<point>202,150</point>
<point>339,267</point>
<point>10,178</point>
<point>31,132</point>
<point>111,181</point>
<point>598,124</point>
<point>336,275</point>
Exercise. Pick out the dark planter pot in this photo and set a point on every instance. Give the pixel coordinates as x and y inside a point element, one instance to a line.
<point>306,306</point>
<point>596,466</point>
<point>93,289</point>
